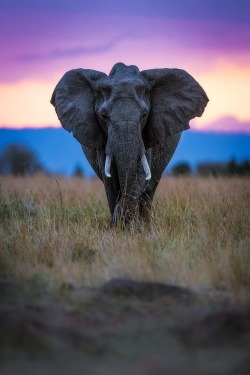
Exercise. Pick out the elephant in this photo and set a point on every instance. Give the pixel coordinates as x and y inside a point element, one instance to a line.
<point>129,124</point>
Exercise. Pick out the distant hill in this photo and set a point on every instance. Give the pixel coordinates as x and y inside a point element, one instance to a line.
<point>60,153</point>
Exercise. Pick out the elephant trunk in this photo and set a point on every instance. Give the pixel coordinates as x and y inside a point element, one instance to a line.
<point>126,151</point>
<point>126,159</point>
<point>125,148</point>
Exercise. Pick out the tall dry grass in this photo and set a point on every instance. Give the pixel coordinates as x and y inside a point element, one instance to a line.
<point>55,232</point>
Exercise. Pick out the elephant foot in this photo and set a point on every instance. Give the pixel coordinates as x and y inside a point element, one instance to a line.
<point>132,218</point>
<point>126,217</point>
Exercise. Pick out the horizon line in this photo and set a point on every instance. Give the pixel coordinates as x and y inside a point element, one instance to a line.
<point>195,130</point>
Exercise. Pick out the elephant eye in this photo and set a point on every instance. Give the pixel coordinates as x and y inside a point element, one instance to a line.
<point>140,89</point>
<point>106,90</point>
<point>104,116</point>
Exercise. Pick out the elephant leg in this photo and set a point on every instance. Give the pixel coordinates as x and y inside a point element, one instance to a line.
<point>112,190</point>
<point>145,205</point>
<point>145,201</point>
<point>160,157</point>
<point>111,184</point>
<point>127,209</point>
<point>96,159</point>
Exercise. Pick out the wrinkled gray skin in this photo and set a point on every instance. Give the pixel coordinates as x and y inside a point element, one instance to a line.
<point>126,115</point>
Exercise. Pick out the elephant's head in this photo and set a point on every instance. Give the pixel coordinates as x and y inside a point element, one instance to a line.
<point>127,112</point>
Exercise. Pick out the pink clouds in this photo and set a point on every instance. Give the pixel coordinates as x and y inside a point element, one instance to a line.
<point>224,125</point>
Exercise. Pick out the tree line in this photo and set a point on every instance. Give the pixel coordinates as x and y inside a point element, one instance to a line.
<point>17,159</point>
<point>215,169</point>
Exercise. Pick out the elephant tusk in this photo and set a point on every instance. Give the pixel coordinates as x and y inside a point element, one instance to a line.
<point>107,166</point>
<point>146,167</point>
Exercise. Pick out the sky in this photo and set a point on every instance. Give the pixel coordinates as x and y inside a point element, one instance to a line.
<point>42,39</point>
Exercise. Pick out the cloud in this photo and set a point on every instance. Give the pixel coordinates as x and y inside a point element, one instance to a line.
<point>63,53</point>
<point>228,124</point>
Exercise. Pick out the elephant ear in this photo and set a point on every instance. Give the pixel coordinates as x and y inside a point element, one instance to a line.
<point>74,102</point>
<point>176,98</point>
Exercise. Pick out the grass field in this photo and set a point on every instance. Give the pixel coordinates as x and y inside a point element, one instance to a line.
<point>56,251</point>
<point>55,231</point>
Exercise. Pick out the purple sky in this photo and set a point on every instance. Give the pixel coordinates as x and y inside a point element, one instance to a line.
<point>42,34</point>
<point>42,39</point>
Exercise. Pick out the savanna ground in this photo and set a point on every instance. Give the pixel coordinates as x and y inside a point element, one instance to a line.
<point>77,297</point>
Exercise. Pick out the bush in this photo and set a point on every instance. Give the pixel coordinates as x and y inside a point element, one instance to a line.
<point>17,159</point>
<point>78,171</point>
<point>240,169</point>
<point>182,168</point>
<point>232,168</point>
<point>212,169</point>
